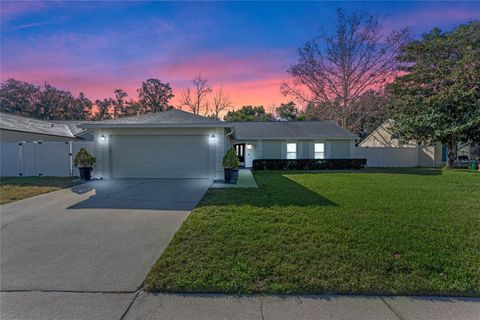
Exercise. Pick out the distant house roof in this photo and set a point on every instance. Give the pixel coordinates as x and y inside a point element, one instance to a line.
<point>170,118</point>
<point>290,130</point>
<point>16,123</point>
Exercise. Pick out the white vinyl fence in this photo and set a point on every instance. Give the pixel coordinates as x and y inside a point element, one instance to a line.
<point>40,159</point>
<point>394,157</point>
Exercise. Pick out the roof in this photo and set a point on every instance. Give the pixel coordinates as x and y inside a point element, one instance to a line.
<point>29,125</point>
<point>73,125</point>
<point>170,118</point>
<point>290,130</point>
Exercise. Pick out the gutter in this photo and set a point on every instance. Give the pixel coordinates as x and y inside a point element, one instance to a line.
<point>154,125</point>
<point>44,134</point>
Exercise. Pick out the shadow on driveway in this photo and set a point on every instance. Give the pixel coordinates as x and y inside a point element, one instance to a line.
<point>142,194</point>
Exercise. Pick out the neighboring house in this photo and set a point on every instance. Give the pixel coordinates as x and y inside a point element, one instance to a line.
<point>178,144</point>
<point>428,155</point>
<point>31,147</point>
<point>15,129</point>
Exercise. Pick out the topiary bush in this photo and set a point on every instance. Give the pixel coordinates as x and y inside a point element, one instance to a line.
<point>230,160</point>
<point>84,159</point>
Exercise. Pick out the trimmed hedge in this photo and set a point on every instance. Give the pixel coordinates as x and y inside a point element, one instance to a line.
<point>308,164</point>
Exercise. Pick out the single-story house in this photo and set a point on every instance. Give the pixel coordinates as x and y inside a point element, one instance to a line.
<point>428,155</point>
<point>179,144</point>
<point>15,129</point>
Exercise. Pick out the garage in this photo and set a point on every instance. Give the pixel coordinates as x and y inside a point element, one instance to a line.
<point>171,144</point>
<point>159,156</point>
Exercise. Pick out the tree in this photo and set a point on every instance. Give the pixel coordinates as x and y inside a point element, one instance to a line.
<point>249,113</point>
<point>196,99</point>
<point>154,96</point>
<point>221,102</point>
<point>18,97</point>
<point>373,105</point>
<point>335,70</point>
<point>438,97</point>
<point>287,111</point>
<point>119,105</point>
<point>104,109</point>
<point>47,102</point>
<point>82,108</point>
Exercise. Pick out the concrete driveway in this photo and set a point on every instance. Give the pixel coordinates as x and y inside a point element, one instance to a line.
<point>100,237</point>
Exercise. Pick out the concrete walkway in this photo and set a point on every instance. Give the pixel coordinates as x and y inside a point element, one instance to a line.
<point>245,180</point>
<point>122,306</point>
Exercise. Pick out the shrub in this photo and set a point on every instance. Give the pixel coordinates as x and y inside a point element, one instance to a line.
<point>84,159</point>
<point>230,160</point>
<point>308,164</point>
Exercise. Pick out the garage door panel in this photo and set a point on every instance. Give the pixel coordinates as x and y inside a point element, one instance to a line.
<point>159,156</point>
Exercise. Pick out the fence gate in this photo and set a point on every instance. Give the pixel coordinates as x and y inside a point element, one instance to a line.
<point>40,159</point>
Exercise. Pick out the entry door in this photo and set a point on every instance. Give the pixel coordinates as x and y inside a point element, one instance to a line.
<point>240,150</point>
<point>249,155</point>
<point>159,156</point>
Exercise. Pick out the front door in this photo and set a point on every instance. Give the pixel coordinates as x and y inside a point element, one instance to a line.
<point>240,150</point>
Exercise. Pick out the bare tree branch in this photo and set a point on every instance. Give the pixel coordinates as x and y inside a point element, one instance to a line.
<point>336,70</point>
<point>196,100</point>
<point>221,102</point>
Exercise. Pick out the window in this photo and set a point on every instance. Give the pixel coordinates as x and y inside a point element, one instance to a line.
<point>319,150</point>
<point>291,151</point>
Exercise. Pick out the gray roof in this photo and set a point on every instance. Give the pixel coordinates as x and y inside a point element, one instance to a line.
<point>290,130</point>
<point>73,125</point>
<point>22,124</point>
<point>170,118</point>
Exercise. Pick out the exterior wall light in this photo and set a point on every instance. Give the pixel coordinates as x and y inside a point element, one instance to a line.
<point>103,139</point>
<point>249,146</point>
<point>212,139</point>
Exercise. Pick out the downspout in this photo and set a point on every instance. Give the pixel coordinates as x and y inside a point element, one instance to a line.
<point>70,155</point>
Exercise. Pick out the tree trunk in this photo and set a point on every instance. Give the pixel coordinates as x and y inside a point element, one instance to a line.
<point>451,153</point>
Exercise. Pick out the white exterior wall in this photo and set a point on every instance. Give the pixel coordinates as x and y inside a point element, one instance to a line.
<point>277,149</point>
<point>389,157</point>
<point>216,150</point>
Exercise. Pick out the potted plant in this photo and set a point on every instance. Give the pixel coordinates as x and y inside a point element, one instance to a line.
<point>84,161</point>
<point>230,164</point>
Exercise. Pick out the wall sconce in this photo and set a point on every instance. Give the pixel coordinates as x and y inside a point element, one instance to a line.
<point>212,139</point>
<point>249,146</point>
<point>102,139</point>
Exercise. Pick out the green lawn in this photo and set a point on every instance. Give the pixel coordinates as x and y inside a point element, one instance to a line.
<point>17,188</point>
<point>405,231</point>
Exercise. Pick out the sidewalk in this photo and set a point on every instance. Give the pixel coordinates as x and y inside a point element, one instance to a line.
<point>123,306</point>
<point>212,307</point>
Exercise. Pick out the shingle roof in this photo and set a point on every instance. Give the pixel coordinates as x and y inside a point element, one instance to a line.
<point>174,117</point>
<point>290,130</point>
<point>16,123</point>
<point>73,125</point>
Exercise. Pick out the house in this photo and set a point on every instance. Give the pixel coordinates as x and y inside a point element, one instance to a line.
<point>178,144</point>
<point>427,155</point>
<point>31,147</point>
<point>15,129</point>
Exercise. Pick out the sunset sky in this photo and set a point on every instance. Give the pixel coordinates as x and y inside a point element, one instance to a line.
<point>245,48</point>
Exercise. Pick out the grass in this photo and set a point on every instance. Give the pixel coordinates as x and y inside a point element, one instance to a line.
<point>391,232</point>
<point>17,188</point>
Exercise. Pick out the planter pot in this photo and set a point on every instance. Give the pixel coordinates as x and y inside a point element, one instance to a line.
<point>85,173</point>
<point>231,175</point>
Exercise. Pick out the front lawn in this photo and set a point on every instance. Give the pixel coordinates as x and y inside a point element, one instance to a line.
<point>405,232</point>
<point>17,188</point>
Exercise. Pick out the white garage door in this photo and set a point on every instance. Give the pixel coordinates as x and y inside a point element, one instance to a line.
<point>159,156</point>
